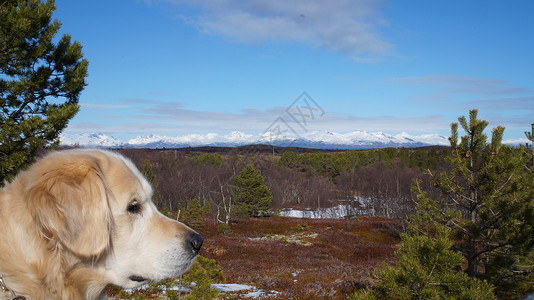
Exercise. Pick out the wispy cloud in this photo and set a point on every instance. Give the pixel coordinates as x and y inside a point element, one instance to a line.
<point>103,106</point>
<point>449,79</point>
<point>138,101</point>
<point>173,118</point>
<point>499,101</point>
<point>254,120</point>
<point>525,104</point>
<point>462,89</point>
<point>349,26</point>
<point>462,84</point>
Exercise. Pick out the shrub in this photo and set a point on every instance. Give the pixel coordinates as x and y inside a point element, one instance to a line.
<point>165,210</point>
<point>212,159</point>
<point>171,295</point>
<point>203,273</point>
<point>428,268</point>
<point>224,228</point>
<point>302,227</point>
<point>194,213</point>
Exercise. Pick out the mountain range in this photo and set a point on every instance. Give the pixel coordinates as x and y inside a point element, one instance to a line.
<point>316,139</point>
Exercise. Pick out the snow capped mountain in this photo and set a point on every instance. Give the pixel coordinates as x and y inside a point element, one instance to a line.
<point>520,141</point>
<point>315,139</point>
<point>89,140</point>
<point>235,138</point>
<point>367,140</point>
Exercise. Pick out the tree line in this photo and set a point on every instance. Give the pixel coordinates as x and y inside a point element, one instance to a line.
<point>306,181</point>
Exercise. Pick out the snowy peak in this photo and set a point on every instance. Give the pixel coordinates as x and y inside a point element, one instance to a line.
<point>89,140</point>
<point>315,139</point>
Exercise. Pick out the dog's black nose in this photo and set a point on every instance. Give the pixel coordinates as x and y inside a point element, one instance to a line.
<point>196,241</point>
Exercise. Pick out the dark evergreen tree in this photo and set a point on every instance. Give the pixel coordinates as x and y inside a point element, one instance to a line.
<point>530,137</point>
<point>427,267</point>
<point>40,82</point>
<point>492,189</point>
<point>151,177</point>
<point>194,215</point>
<point>213,159</point>
<point>181,211</point>
<point>289,159</point>
<point>250,196</point>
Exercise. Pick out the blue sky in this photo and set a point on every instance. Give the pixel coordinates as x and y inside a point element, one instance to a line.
<point>178,67</point>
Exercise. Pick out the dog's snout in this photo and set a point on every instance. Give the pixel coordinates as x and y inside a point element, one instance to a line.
<point>196,241</point>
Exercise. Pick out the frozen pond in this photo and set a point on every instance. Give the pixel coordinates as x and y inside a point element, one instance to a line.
<point>351,209</point>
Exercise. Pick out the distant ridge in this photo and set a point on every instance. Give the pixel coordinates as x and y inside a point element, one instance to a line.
<point>356,140</point>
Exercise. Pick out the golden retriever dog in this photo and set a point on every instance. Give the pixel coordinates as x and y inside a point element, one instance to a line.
<point>78,220</point>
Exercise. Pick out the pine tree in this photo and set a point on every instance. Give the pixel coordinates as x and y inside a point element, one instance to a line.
<point>490,192</point>
<point>427,267</point>
<point>181,212</point>
<point>194,215</point>
<point>151,177</point>
<point>250,196</point>
<point>530,137</point>
<point>35,73</point>
<point>289,159</point>
<point>206,208</point>
<point>213,159</point>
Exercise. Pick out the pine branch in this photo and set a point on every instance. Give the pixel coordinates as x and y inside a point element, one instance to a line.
<point>434,266</point>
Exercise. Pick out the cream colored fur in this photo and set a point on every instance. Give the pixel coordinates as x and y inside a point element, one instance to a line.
<point>67,228</point>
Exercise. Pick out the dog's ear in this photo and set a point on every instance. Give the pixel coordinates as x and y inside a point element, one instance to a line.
<point>69,200</point>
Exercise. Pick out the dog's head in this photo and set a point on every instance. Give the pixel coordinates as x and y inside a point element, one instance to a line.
<point>96,206</point>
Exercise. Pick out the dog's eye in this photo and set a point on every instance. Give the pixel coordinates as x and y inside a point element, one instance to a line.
<point>134,207</point>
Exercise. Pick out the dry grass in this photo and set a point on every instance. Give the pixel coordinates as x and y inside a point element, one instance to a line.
<point>300,258</point>
<point>342,254</point>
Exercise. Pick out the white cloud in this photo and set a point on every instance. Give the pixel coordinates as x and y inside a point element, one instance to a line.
<point>172,118</point>
<point>167,114</point>
<point>349,26</point>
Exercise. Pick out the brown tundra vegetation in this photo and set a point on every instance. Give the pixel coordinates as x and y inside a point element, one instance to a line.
<point>303,258</point>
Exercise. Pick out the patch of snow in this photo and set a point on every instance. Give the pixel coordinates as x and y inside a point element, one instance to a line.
<point>244,290</point>
<point>256,294</point>
<point>232,287</point>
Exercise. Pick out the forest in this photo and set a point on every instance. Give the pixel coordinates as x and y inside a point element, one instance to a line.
<point>297,178</point>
